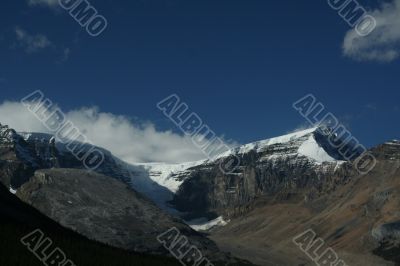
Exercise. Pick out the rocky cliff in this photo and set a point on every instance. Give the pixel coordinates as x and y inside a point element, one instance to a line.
<point>294,167</point>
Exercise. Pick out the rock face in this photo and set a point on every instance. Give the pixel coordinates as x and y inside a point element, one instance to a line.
<point>22,153</point>
<point>104,209</point>
<point>294,167</point>
<point>16,159</point>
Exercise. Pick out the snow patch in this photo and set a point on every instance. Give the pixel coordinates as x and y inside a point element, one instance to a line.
<point>203,224</point>
<point>167,175</point>
<point>311,149</point>
<point>12,190</point>
<point>158,181</point>
<point>259,146</point>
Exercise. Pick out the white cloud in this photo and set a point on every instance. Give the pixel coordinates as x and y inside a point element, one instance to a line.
<point>129,141</point>
<point>50,3</point>
<point>383,44</point>
<point>31,43</point>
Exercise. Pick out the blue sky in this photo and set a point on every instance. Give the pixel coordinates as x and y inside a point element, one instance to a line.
<point>238,64</point>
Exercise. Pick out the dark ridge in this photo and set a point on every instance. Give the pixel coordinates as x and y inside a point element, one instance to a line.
<point>19,219</point>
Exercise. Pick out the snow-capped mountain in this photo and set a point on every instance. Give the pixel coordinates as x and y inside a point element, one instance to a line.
<point>174,187</point>
<point>280,181</point>
<point>310,145</point>
<point>299,160</point>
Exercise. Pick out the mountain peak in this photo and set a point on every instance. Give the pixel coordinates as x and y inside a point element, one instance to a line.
<point>312,143</point>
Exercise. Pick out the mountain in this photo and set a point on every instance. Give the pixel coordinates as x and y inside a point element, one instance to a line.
<point>286,185</point>
<point>359,219</point>
<point>198,191</point>
<point>45,174</point>
<point>279,167</point>
<point>282,187</point>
